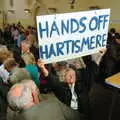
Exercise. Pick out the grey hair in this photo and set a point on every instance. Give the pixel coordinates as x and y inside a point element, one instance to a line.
<point>17,103</point>
<point>19,74</point>
<point>31,83</point>
<point>28,81</point>
<point>34,88</point>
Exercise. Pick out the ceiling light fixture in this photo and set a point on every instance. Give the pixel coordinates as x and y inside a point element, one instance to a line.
<point>27,11</point>
<point>52,10</point>
<point>11,11</point>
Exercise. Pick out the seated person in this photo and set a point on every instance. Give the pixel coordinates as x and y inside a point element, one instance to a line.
<point>23,99</point>
<point>67,89</point>
<point>31,67</point>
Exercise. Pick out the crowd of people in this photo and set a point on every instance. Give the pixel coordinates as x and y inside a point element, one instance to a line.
<point>23,76</point>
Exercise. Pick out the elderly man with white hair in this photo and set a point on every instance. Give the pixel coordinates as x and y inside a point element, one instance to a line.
<point>12,114</point>
<point>24,98</point>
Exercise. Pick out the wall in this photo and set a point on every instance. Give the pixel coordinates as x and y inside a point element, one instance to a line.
<point>1,13</point>
<point>62,6</point>
<point>83,5</point>
<point>19,15</point>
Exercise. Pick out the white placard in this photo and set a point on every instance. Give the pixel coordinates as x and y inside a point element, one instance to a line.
<point>71,35</point>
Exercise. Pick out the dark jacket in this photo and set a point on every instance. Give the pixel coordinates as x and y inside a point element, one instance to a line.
<point>63,92</point>
<point>4,88</point>
<point>3,99</point>
<point>110,63</point>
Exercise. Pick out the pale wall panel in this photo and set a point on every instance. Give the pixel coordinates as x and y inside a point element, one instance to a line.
<point>62,6</point>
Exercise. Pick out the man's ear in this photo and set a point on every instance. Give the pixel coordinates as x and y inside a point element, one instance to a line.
<point>35,98</point>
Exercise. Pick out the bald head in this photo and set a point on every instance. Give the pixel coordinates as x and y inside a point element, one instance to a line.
<point>16,90</point>
<point>19,96</point>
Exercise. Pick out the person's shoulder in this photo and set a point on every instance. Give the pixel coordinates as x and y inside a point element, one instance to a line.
<point>32,67</point>
<point>52,101</point>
